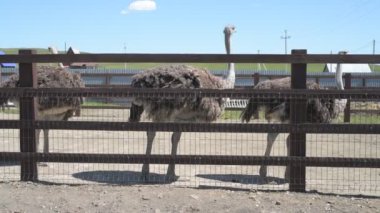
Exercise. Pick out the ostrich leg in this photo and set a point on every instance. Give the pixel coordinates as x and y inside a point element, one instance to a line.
<point>170,175</point>
<point>145,168</point>
<point>287,167</point>
<point>38,131</point>
<point>271,138</point>
<point>46,141</point>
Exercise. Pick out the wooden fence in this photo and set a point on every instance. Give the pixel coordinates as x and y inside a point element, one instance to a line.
<point>297,127</point>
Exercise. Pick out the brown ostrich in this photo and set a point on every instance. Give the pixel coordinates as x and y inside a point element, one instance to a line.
<point>51,108</point>
<point>319,110</point>
<point>184,109</point>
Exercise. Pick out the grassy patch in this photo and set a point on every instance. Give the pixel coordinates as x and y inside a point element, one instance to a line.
<point>361,118</point>
<point>11,110</point>
<point>376,68</point>
<point>357,118</point>
<point>97,104</point>
<point>212,66</point>
<point>231,114</point>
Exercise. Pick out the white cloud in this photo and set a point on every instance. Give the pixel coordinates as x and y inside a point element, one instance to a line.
<point>142,5</point>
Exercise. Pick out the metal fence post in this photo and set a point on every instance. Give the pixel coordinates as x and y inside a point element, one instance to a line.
<point>297,141</point>
<point>347,110</point>
<point>27,78</point>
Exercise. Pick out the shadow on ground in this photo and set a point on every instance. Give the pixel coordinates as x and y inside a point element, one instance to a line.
<point>131,177</point>
<point>244,179</point>
<point>121,177</point>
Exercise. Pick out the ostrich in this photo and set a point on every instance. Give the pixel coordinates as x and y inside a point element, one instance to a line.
<point>322,110</point>
<point>51,108</point>
<point>179,109</point>
<point>54,50</point>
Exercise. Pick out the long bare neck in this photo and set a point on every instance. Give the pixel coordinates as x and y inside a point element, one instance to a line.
<point>339,74</point>
<point>230,78</point>
<point>339,77</point>
<point>55,51</point>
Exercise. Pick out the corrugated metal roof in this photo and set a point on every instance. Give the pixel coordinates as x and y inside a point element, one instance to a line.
<point>350,68</point>
<point>6,64</point>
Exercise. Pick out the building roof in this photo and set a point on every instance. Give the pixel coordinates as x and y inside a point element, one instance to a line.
<point>349,68</point>
<point>73,51</point>
<point>12,65</point>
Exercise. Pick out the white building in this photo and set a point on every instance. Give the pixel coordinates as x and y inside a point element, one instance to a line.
<point>350,68</point>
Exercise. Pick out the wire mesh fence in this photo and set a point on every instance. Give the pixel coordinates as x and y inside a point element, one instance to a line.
<point>298,142</point>
<point>113,144</point>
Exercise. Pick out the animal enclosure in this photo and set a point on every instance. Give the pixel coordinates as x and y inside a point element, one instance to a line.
<point>101,146</point>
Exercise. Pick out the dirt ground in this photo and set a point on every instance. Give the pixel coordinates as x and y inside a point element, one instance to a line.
<point>36,197</point>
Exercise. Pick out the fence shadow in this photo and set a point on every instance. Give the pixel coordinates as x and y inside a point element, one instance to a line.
<point>244,179</point>
<point>121,177</point>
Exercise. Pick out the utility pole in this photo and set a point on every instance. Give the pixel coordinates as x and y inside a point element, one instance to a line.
<point>125,51</point>
<point>286,37</point>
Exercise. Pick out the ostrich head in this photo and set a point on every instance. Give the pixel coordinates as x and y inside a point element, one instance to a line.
<point>54,50</point>
<point>228,31</point>
<point>230,78</point>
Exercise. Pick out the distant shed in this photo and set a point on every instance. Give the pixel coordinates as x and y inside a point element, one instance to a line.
<point>73,51</point>
<point>79,65</point>
<point>350,68</point>
<point>6,65</point>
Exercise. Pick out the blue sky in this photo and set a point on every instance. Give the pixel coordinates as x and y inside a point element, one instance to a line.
<point>192,26</point>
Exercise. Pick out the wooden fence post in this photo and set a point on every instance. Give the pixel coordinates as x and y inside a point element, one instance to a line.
<point>256,80</point>
<point>27,78</point>
<point>347,110</point>
<point>297,141</point>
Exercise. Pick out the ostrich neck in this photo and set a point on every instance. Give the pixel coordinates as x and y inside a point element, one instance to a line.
<point>230,78</point>
<point>339,77</point>
<point>54,52</point>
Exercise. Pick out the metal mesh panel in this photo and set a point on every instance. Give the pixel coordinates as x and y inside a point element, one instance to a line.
<point>231,142</point>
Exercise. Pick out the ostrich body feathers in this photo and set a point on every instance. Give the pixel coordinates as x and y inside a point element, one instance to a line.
<point>53,77</point>
<point>319,110</point>
<point>177,108</point>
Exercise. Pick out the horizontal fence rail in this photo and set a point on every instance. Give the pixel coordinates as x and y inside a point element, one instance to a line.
<point>365,94</point>
<point>194,159</point>
<point>119,78</point>
<point>200,127</point>
<point>189,58</point>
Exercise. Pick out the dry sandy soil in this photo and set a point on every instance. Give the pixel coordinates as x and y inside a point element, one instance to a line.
<point>32,197</point>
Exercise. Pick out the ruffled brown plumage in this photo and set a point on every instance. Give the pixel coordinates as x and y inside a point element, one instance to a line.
<point>319,110</point>
<point>52,77</point>
<point>177,108</point>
